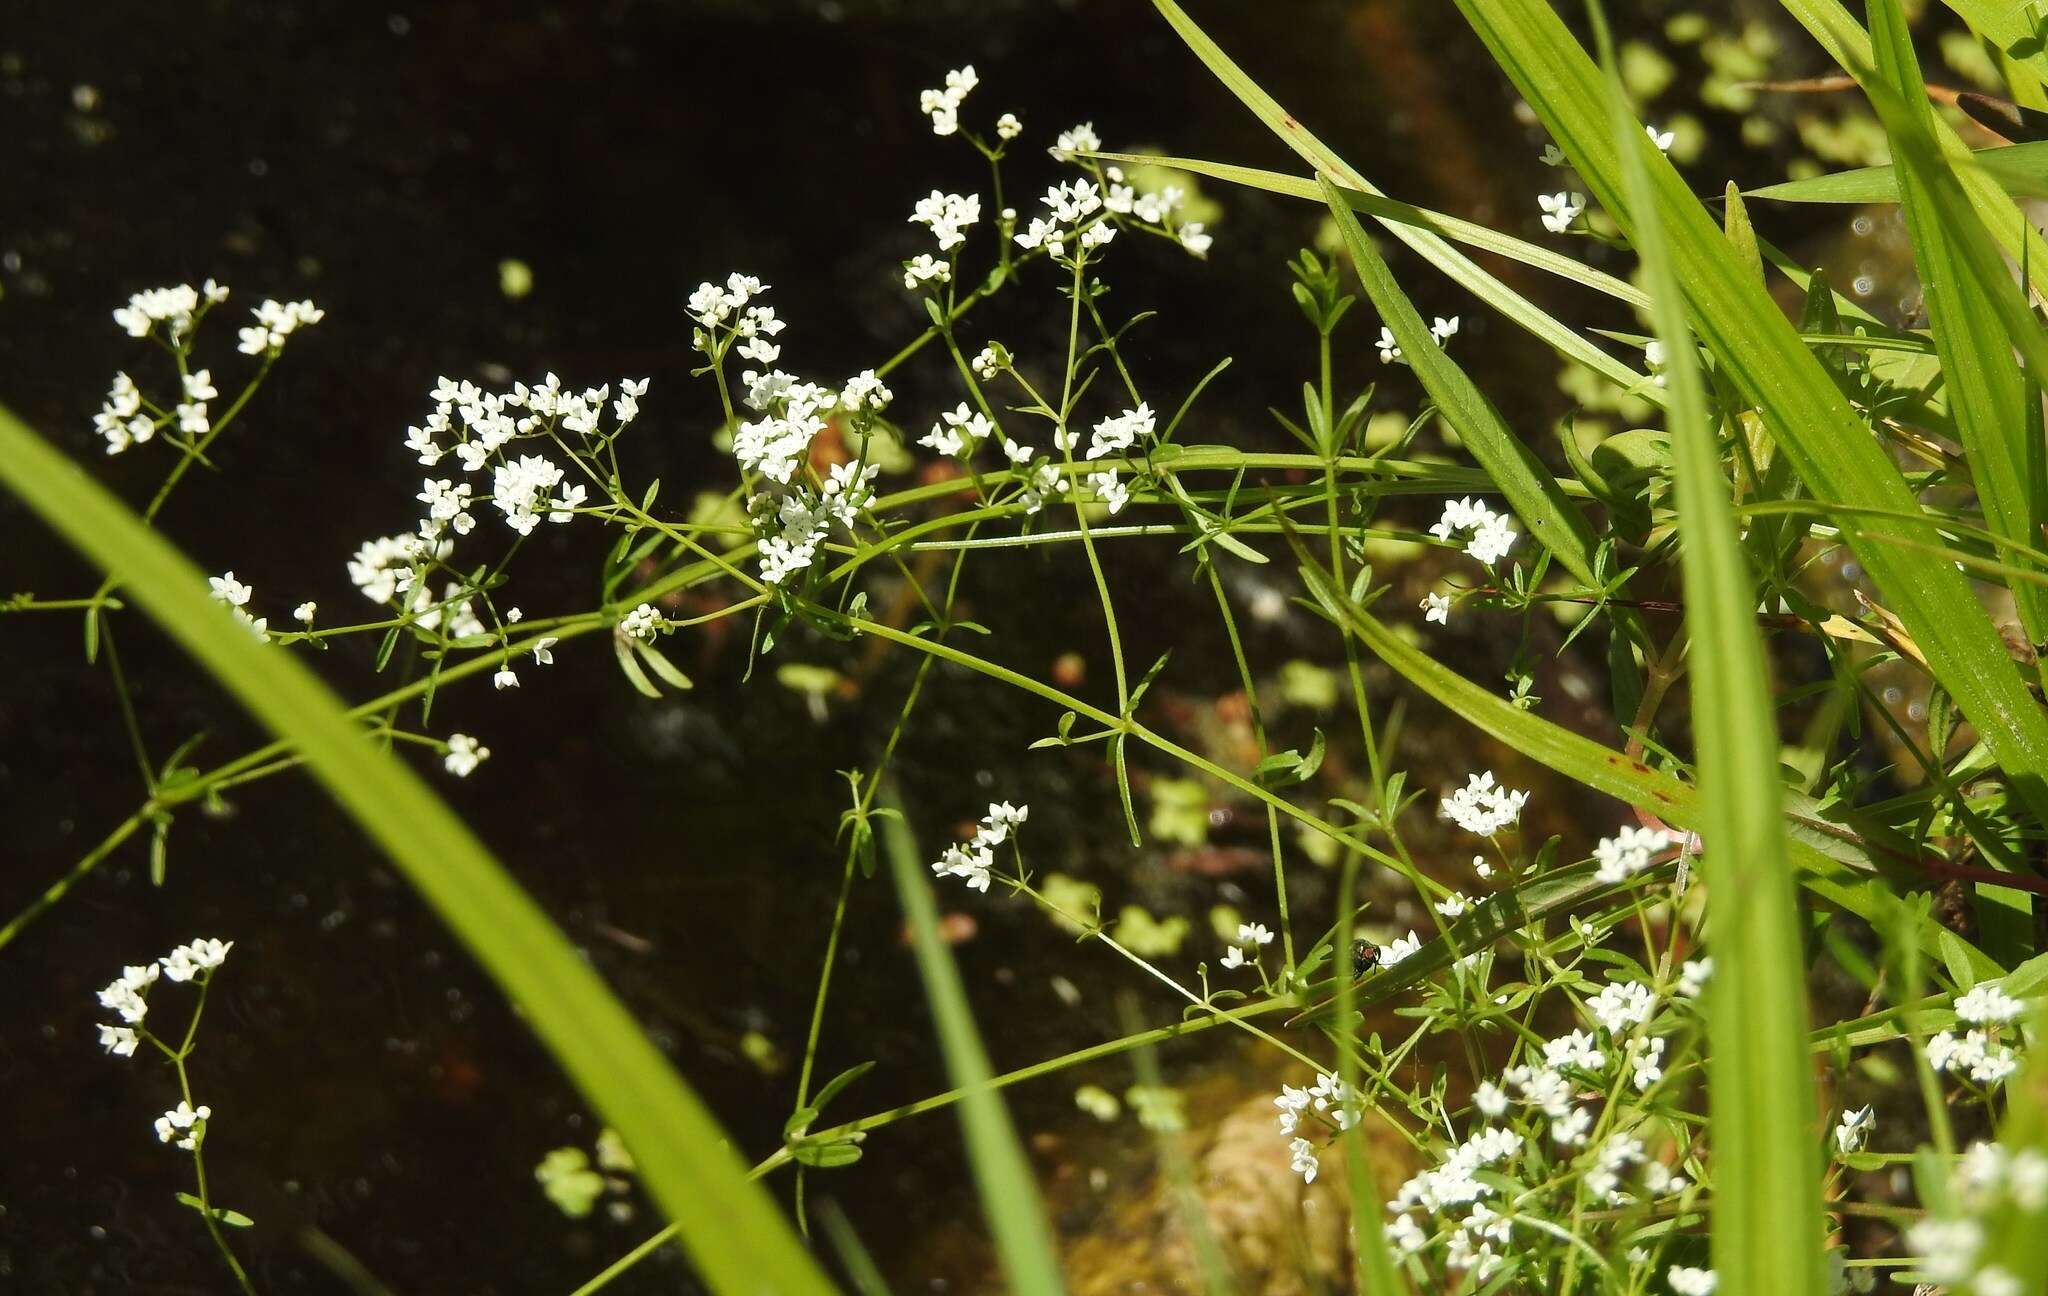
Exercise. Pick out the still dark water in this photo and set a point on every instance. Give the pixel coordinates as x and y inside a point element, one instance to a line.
<point>383,160</point>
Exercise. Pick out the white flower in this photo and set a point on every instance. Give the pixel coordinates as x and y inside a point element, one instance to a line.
<point>642,622</point>
<point>543,650</point>
<point>118,1040</point>
<point>1622,1005</point>
<point>923,269</point>
<point>1571,1131</point>
<point>969,862</point>
<point>1081,139</point>
<point>1109,490</point>
<point>1578,1049</point>
<point>1098,234</point>
<point>1854,1129</point>
<point>228,590</point>
<point>1443,330</point>
<point>1692,977</point>
<point>505,678</point>
<point>183,1125</point>
<point>1253,934</point>
<point>1662,139</point>
<point>1390,350</point>
<point>945,440</point>
<point>199,385</point>
<point>464,755</point>
<point>1302,1154</point>
<point>1232,958</point>
<point>188,961</point>
<point>1553,157</point>
<point>987,363</point>
<point>1995,1280</point>
<point>1947,1247</point>
<point>1560,210</point>
<point>124,993</point>
<point>946,215</point>
<point>1436,607</point>
<point>1492,536</point>
<point>1481,807</point>
<point>1986,1062</point>
<point>1394,951</point>
<point>1453,905</point>
<point>1489,1099</point>
<point>1008,127</point>
<point>192,418</point>
<point>1115,435</point>
<point>275,322</point>
<point>1193,238</point>
<point>943,106</point>
<point>1988,1003</point>
<point>864,391</point>
<point>1649,1065</point>
<point>1627,852</point>
<point>1406,1234</point>
<point>304,612</point>
<point>1690,1282</point>
<point>146,309</point>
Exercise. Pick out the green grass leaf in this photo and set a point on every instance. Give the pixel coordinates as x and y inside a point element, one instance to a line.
<point>1009,1193</point>
<point>1757,347</point>
<point>1531,490</point>
<point>2020,169</point>
<point>1766,1216</point>
<point>1462,270</point>
<point>737,1237</point>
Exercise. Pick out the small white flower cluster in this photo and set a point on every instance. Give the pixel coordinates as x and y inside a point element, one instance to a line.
<point>1453,1188</point>
<point>184,1125</point>
<point>1986,1178</point>
<point>971,860</point>
<point>1686,1281</point>
<point>276,321</point>
<point>1073,204</point>
<point>1118,434</point>
<point>1628,852</point>
<point>725,316</point>
<point>175,308</point>
<point>943,106</point>
<point>1977,1051</point>
<point>226,589</point>
<point>1483,807</point>
<point>464,755</point>
<point>1441,330</point>
<point>126,994</point>
<point>1252,936</point>
<point>946,215</point>
<point>121,420</point>
<point>1492,535</point>
<point>1560,210</point>
<point>480,424</point>
<point>1337,1102</point>
<point>1155,209</point>
<point>1693,975</point>
<point>961,429</point>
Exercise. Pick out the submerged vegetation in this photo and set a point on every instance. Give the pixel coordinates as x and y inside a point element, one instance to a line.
<point>1771,1031</point>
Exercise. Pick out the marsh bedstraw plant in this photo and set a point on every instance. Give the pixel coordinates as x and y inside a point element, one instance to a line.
<point>1533,1040</point>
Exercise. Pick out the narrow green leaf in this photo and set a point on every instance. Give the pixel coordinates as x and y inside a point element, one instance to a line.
<point>629,665</point>
<point>1807,415</point>
<point>1009,1193</point>
<point>1432,248</point>
<point>1766,1215</point>
<point>659,663</point>
<point>738,1239</point>
<point>2020,169</point>
<point>1530,488</point>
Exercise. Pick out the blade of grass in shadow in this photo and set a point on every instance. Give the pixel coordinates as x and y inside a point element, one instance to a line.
<point>2018,29</point>
<point>1766,1215</point>
<point>1467,232</point>
<point>853,1254</point>
<point>737,1238</point>
<point>1811,420</point>
<point>1210,1261</point>
<point>1461,269</point>
<point>1377,1270</point>
<point>1532,491</point>
<point>1009,1194</point>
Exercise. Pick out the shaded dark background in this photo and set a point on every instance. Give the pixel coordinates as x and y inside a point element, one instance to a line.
<point>367,1080</point>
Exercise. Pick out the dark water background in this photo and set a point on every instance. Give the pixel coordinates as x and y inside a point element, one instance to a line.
<point>382,161</point>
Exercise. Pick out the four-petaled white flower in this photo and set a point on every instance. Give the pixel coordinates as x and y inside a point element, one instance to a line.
<point>543,650</point>
<point>1436,607</point>
<point>183,1125</point>
<point>1692,977</point>
<point>1662,139</point>
<point>1560,210</point>
<point>118,1040</point>
<point>203,955</point>
<point>1008,127</point>
<point>1854,1129</point>
<point>1253,934</point>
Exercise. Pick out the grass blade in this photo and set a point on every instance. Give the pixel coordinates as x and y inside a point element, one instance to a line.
<point>1812,422</point>
<point>1009,1193</point>
<point>2020,169</point>
<point>1767,1195</point>
<point>733,1231</point>
<point>1530,488</point>
<point>1461,269</point>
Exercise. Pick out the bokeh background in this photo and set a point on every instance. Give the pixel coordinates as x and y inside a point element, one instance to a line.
<point>370,1086</point>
